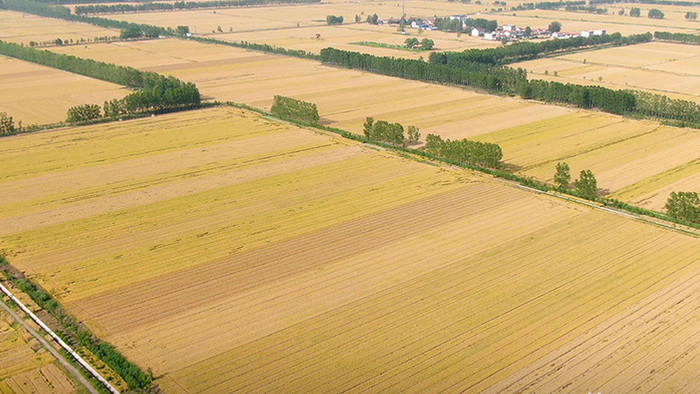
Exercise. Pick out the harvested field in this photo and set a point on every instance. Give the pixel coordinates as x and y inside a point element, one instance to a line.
<point>23,28</point>
<point>25,86</point>
<point>25,366</point>
<point>629,156</point>
<point>264,257</point>
<point>293,16</point>
<point>575,22</point>
<point>657,67</point>
<point>533,136</point>
<point>347,38</point>
<point>225,73</point>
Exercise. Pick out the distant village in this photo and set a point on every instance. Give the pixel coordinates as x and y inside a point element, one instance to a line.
<point>502,33</point>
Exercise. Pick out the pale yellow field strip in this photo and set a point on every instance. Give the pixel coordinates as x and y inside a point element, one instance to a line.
<point>26,88</point>
<point>25,366</point>
<point>23,28</point>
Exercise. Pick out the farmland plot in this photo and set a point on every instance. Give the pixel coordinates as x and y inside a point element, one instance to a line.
<point>575,22</point>
<point>24,28</point>
<point>263,257</point>
<point>533,136</point>
<point>25,366</point>
<point>345,98</point>
<point>658,67</point>
<point>350,37</point>
<point>292,16</point>
<point>25,86</point>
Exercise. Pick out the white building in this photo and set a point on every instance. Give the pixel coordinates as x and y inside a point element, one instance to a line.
<point>477,32</point>
<point>599,32</point>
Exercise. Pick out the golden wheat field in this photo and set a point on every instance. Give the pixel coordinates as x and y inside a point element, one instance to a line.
<point>23,28</point>
<point>533,136</point>
<point>229,252</point>
<point>26,88</point>
<point>25,366</point>
<point>658,67</point>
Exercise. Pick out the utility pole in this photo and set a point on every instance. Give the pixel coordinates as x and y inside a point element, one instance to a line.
<point>403,10</point>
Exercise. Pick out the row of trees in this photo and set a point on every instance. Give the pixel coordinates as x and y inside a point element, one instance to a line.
<point>686,38</point>
<point>589,9</point>
<point>529,50</point>
<point>583,96</point>
<point>60,12</point>
<point>663,107</point>
<point>585,186</point>
<point>392,133</point>
<point>481,76</point>
<point>498,79</point>
<point>457,25</point>
<point>260,47</point>
<point>155,92</point>
<point>476,153</point>
<point>179,5</point>
<point>289,108</point>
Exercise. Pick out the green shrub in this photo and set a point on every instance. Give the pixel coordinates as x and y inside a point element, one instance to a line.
<point>289,108</point>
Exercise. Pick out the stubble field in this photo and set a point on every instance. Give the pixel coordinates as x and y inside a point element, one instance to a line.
<point>347,38</point>
<point>23,28</point>
<point>575,22</point>
<point>36,94</point>
<point>25,366</point>
<point>229,252</point>
<point>534,136</point>
<point>658,67</point>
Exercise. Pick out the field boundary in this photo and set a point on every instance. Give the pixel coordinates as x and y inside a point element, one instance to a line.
<point>603,208</point>
<point>61,343</point>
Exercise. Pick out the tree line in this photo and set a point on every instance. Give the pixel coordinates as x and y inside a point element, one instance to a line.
<point>298,110</point>
<point>465,151</point>
<point>456,25</point>
<point>506,80</point>
<point>392,133</point>
<point>521,51</point>
<point>179,5</point>
<point>686,38</point>
<point>154,91</point>
<point>481,76</point>
<point>259,47</point>
<point>60,12</point>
